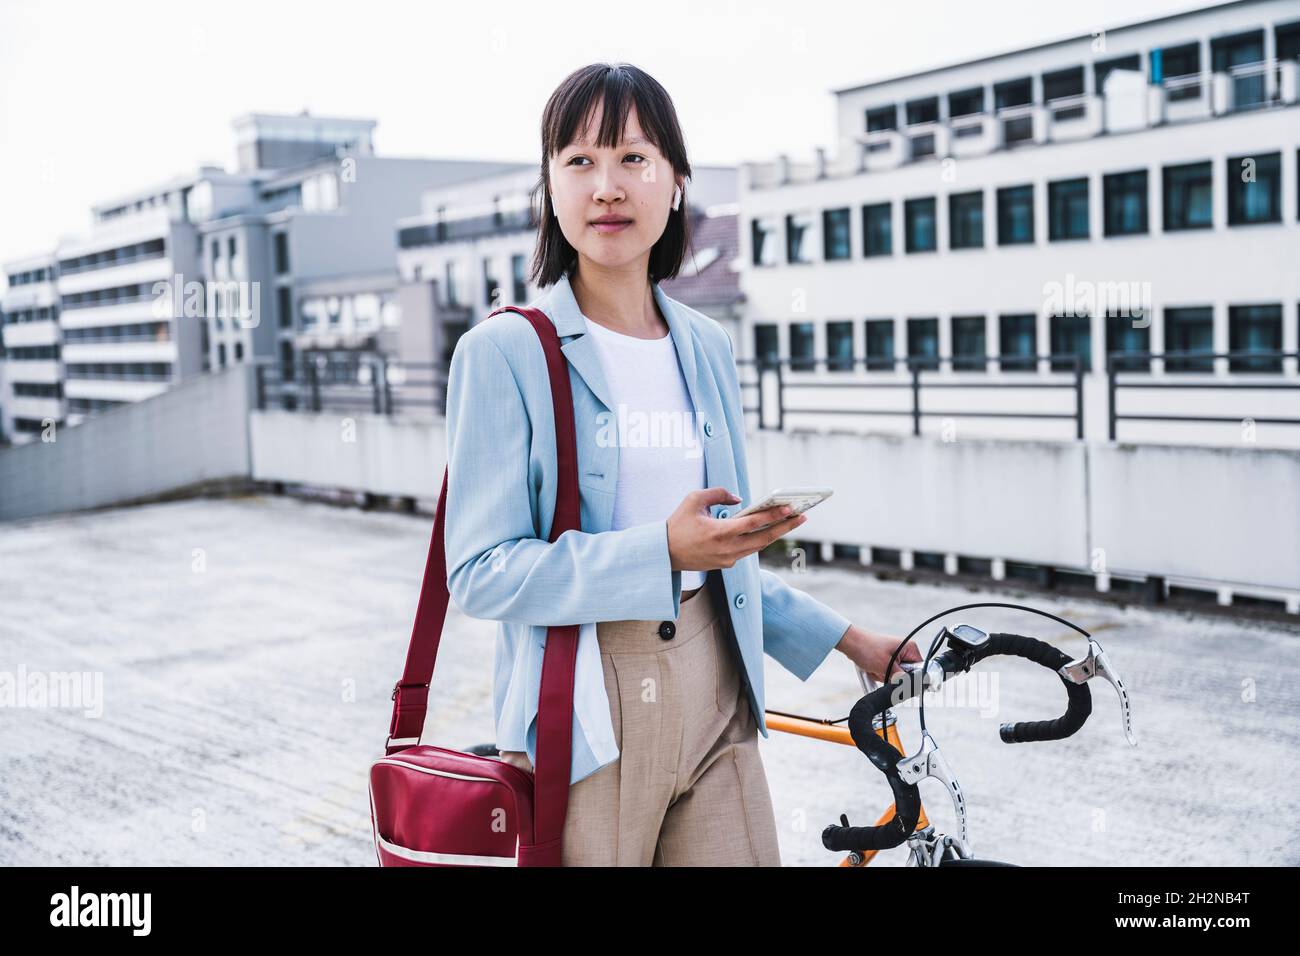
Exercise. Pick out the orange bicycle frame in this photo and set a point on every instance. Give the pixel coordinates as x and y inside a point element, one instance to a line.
<point>837,734</point>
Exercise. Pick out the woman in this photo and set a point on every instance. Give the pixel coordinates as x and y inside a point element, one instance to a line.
<point>668,687</point>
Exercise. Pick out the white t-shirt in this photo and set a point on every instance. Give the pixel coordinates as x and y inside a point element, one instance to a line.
<point>653,421</point>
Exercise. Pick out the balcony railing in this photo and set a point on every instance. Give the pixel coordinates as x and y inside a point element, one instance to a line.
<point>1185,98</point>
<point>369,382</point>
<point>115,376</point>
<point>457,230</point>
<point>916,383</point>
<point>1179,89</point>
<point>72,267</point>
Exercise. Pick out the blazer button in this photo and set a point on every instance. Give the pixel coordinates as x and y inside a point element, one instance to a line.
<point>740,600</point>
<point>667,630</point>
<point>708,429</point>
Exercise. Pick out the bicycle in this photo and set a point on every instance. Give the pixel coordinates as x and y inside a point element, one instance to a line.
<point>905,820</point>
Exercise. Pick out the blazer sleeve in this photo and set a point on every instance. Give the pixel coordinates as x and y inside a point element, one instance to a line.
<point>498,568</point>
<point>799,631</point>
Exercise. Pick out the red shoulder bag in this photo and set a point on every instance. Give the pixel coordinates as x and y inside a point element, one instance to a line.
<point>434,806</point>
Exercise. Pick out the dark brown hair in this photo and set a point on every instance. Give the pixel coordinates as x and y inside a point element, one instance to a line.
<point>620,85</point>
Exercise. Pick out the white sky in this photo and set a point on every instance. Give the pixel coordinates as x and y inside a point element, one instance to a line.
<point>97,98</point>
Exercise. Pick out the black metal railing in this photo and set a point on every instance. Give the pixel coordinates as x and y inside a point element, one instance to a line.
<point>1266,362</point>
<point>459,230</point>
<point>372,383</point>
<point>382,385</point>
<point>916,383</point>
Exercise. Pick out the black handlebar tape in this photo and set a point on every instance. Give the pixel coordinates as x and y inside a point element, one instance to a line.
<point>885,758</point>
<point>1078,708</point>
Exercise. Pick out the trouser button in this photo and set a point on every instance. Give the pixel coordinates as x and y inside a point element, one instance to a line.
<point>667,629</point>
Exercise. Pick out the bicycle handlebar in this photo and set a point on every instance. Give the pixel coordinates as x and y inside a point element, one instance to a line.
<point>886,759</point>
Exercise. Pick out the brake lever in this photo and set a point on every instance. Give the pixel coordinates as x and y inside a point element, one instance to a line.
<point>930,762</point>
<point>1097,664</point>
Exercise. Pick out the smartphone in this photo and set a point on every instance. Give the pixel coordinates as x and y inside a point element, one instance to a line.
<point>801,499</point>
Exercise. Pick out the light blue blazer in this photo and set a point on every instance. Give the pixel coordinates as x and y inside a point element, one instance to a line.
<point>501,500</point>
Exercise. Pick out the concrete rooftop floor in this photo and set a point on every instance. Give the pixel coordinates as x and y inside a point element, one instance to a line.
<point>248,648</point>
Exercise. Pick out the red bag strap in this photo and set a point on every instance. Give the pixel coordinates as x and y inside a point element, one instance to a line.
<point>555,705</point>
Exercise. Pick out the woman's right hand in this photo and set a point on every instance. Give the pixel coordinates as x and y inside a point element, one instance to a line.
<point>699,542</point>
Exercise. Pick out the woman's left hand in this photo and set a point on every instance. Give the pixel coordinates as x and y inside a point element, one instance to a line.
<point>871,650</point>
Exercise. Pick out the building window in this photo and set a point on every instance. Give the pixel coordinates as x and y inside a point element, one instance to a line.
<point>518,279</point>
<point>923,343</point>
<point>1126,336</point>
<point>491,288</point>
<point>767,344</point>
<point>284,305</point>
<point>802,357</point>
<point>1242,50</point>
<point>798,249</point>
<point>880,344</point>
<point>968,343</point>
<point>286,360</point>
<point>281,253</point>
<point>763,240</point>
<point>1071,335</point>
<point>835,234</point>
<point>1013,93</point>
<point>1189,330</point>
<point>877,230</point>
<point>1178,69</point>
<point>966,220</point>
<point>1067,209</point>
<point>1015,215</point>
<point>231,246</point>
<point>839,346</point>
<point>221,355</point>
<point>1015,128</point>
<point>1061,84</point>
<point>1019,335</point>
<point>452,294</point>
<point>1062,90</point>
<point>1255,328</point>
<point>1188,192</point>
<point>918,216</point>
<point>966,102</point>
<point>1254,189</point>
<point>239,351</point>
<point>1126,203</point>
<point>923,111</point>
<point>882,118</point>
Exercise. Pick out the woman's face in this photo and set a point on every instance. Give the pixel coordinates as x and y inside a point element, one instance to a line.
<point>631,183</point>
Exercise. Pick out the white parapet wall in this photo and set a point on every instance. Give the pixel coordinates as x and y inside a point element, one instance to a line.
<point>1231,516</point>
<point>1225,517</point>
<point>1023,500</point>
<point>193,434</point>
<point>358,452</point>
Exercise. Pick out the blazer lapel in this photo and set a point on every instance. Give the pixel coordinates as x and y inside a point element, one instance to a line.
<point>682,340</point>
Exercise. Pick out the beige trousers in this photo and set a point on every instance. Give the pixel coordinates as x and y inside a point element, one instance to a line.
<point>688,788</point>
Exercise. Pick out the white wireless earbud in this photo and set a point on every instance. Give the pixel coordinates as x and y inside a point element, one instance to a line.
<point>677,196</point>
